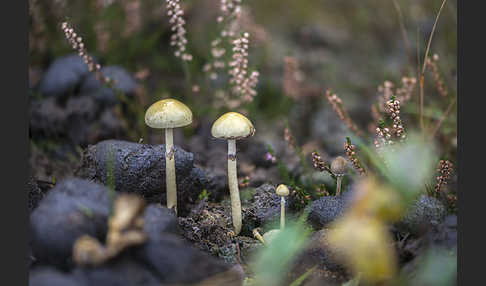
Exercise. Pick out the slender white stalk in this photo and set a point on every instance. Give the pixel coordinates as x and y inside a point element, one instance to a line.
<point>282,213</point>
<point>233,186</point>
<point>338,190</point>
<point>170,177</point>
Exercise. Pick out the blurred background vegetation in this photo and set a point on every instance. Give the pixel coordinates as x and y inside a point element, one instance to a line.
<point>350,46</point>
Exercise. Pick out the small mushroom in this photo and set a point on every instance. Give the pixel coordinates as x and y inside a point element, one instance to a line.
<point>168,114</point>
<point>282,191</point>
<point>339,167</point>
<point>270,235</point>
<point>258,236</point>
<point>233,126</point>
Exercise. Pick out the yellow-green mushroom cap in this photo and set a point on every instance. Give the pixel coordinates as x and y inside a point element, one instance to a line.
<point>282,190</point>
<point>232,125</point>
<point>168,113</point>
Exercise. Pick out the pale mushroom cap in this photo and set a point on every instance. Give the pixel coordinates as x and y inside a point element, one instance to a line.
<point>270,235</point>
<point>282,190</point>
<point>168,113</point>
<point>339,166</point>
<point>232,125</point>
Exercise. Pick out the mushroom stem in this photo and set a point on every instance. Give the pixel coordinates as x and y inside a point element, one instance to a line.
<point>338,188</point>
<point>258,236</point>
<point>233,186</point>
<point>170,176</point>
<point>282,213</point>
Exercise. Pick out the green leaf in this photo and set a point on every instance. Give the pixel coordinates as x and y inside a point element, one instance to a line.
<point>302,277</point>
<point>353,282</point>
<point>272,263</point>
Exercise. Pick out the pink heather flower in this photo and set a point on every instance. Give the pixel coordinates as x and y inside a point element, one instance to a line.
<point>243,84</point>
<point>177,22</point>
<point>270,157</point>
<point>77,44</point>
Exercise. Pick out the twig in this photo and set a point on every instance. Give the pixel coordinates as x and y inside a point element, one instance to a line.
<point>425,65</point>
<point>421,107</point>
<point>431,36</point>
<point>443,118</point>
<point>238,256</point>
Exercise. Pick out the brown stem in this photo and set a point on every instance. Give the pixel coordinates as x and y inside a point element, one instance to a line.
<point>338,188</point>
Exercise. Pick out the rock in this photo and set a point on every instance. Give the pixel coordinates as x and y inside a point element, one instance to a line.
<point>445,234</point>
<point>110,126</point>
<point>63,76</point>
<point>326,209</point>
<point>219,188</point>
<point>81,112</point>
<point>49,276</point>
<point>47,118</point>
<point>217,165</point>
<point>34,194</point>
<point>79,119</point>
<point>140,168</point>
<point>158,220</point>
<point>175,261</point>
<point>104,94</point>
<point>72,208</point>
<point>121,271</point>
<point>424,213</point>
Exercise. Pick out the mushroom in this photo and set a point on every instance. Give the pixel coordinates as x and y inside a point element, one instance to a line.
<point>168,114</point>
<point>339,167</point>
<point>270,235</point>
<point>233,126</point>
<point>258,236</point>
<point>282,191</point>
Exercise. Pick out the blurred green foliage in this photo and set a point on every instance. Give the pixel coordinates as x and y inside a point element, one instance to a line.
<point>271,264</point>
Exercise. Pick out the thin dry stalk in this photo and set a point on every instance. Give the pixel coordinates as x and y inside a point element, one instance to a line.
<point>425,65</point>
<point>443,118</point>
<point>343,114</point>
